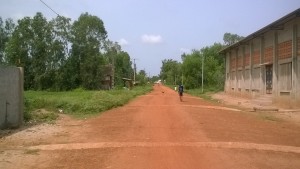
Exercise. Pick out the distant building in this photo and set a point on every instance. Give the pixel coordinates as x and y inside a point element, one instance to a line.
<point>267,63</point>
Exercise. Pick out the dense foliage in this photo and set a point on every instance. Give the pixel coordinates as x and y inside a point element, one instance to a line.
<point>61,54</point>
<point>171,71</point>
<point>189,71</point>
<point>230,38</point>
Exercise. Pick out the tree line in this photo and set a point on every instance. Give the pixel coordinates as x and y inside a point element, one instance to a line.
<point>60,54</point>
<point>189,71</point>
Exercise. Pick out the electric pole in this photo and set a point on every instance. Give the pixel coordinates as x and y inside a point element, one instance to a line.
<point>202,71</point>
<point>134,70</point>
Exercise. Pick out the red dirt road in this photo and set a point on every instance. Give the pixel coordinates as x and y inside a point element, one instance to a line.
<point>157,131</point>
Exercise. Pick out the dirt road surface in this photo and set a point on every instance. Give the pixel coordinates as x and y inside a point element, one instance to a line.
<point>157,131</point>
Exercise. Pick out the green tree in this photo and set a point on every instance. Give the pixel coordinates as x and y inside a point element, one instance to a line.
<point>191,69</point>
<point>58,55</point>
<point>141,77</point>
<point>86,60</point>
<point>213,75</point>
<point>120,60</point>
<point>40,49</point>
<point>154,79</point>
<point>170,71</point>
<point>18,49</point>
<point>6,31</point>
<point>61,27</point>
<point>2,41</point>
<point>230,39</point>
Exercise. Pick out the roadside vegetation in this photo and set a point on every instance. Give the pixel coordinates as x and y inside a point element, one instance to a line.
<point>43,106</point>
<point>199,67</point>
<point>66,64</point>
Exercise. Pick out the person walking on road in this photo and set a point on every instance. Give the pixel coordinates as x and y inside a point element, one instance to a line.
<point>180,92</point>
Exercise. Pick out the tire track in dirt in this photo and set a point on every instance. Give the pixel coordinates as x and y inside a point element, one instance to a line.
<point>221,145</point>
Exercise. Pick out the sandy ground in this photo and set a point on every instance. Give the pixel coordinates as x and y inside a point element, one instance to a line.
<point>292,115</point>
<point>158,131</point>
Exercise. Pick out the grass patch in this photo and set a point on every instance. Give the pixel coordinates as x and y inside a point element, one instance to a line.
<point>43,106</point>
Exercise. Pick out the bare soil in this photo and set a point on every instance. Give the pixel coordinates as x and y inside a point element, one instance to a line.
<point>158,131</point>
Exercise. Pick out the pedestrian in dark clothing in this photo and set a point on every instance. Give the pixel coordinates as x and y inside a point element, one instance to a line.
<point>180,91</point>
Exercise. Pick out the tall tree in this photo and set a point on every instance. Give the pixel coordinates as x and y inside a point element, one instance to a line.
<point>59,56</point>
<point>191,69</point>
<point>230,39</point>
<point>170,71</point>
<point>18,49</point>
<point>6,31</point>
<point>2,40</point>
<point>88,40</point>
<point>61,27</point>
<point>141,77</point>
<point>42,58</point>
<point>213,67</point>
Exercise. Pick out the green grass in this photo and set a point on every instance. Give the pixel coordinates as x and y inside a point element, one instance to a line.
<point>41,106</point>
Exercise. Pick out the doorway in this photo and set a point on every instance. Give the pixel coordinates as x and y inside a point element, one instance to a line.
<point>269,79</point>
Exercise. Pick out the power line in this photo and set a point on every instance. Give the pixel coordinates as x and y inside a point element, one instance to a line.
<point>50,8</point>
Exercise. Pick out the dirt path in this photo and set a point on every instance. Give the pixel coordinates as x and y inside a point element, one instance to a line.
<point>158,131</point>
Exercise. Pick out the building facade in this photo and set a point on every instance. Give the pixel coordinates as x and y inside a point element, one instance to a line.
<point>267,63</point>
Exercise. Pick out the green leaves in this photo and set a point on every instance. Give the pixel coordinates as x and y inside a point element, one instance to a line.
<point>60,55</point>
<point>5,34</point>
<point>190,69</point>
<point>88,38</point>
<point>230,39</point>
<point>171,71</point>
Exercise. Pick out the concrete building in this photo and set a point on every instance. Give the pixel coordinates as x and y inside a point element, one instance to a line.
<point>267,63</point>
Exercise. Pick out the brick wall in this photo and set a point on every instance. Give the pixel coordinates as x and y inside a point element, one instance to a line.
<point>247,59</point>
<point>285,49</point>
<point>240,61</point>
<point>256,57</point>
<point>232,63</point>
<point>268,54</point>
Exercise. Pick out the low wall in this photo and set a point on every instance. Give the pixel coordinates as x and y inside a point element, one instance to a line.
<point>11,97</point>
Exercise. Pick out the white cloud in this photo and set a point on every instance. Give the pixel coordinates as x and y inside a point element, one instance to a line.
<point>184,50</point>
<point>123,42</point>
<point>152,39</point>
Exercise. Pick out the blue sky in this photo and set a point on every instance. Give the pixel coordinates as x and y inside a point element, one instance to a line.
<point>153,30</point>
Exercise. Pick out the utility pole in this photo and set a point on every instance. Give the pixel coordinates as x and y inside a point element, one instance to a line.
<point>202,71</point>
<point>134,70</point>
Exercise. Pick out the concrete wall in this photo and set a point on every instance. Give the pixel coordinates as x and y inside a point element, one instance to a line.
<point>11,97</point>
